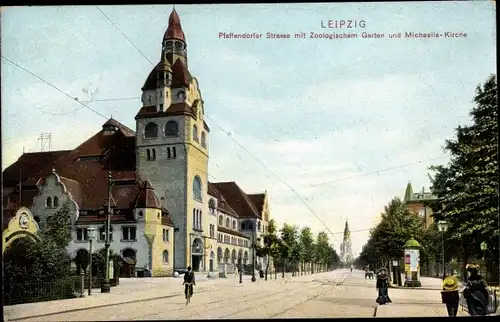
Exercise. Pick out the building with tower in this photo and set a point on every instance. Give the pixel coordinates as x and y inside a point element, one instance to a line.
<point>346,246</point>
<point>166,215</point>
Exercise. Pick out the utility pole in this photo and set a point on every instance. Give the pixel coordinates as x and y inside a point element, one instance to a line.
<point>106,287</point>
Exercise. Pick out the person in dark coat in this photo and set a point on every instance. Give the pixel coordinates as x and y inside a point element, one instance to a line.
<point>476,292</point>
<point>383,287</point>
<point>450,295</point>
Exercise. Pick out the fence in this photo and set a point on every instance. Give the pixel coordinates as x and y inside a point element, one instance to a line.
<point>494,300</point>
<point>38,291</point>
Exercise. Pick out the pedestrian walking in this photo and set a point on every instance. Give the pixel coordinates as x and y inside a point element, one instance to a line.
<point>383,287</point>
<point>450,295</point>
<point>476,292</point>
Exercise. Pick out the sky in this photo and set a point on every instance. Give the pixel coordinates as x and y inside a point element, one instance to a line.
<point>320,116</point>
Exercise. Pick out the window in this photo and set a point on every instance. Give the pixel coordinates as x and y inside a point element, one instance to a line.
<point>56,202</point>
<point>165,256</point>
<point>212,231</point>
<point>197,188</point>
<point>81,234</point>
<point>102,234</point>
<point>178,46</point>
<point>48,202</point>
<point>421,212</point>
<point>194,219</point>
<point>161,107</point>
<point>258,225</point>
<point>151,130</point>
<point>227,223</point>
<point>242,226</point>
<point>149,99</point>
<point>128,233</point>
<point>151,154</point>
<point>203,139</point>
<point>170,46</point>
<point>166,236</point>
<point>171,128</point>
<point>171,153</point>
<point>211,205</point>
<point>221,220</point>
<point>195,133</point>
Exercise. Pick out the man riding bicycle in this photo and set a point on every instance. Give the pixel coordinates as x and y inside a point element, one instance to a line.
<point>189,281</point>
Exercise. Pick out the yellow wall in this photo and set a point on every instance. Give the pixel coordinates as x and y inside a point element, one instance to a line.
<point>153,230</point>
<point>15,230</point>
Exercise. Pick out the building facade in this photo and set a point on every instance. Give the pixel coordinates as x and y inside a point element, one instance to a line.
<point>419,203</point>
<point>166,215</point>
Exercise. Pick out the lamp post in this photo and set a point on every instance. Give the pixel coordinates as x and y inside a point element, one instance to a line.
<point>484,247</point>
<point>106,287</point>
<point>241,269</point>
<point>443,227</point>
<point>91,234</point>
<point>173,251</point>
<point>253,253</point>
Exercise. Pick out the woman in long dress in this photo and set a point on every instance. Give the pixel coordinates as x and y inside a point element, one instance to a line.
<point>476,292</point>
<point>450,295</point>
<point>383,287</point>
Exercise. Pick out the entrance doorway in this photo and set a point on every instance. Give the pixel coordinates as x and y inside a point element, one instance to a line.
<point>196,260</point>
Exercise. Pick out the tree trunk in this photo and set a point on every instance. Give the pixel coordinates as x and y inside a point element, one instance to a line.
<point>465,258</point>
<point>275,269</point>
<point>283,270</point>
<point>267,268</point>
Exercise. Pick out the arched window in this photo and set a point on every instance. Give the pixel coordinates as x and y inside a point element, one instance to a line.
<point>203,139</point>
<point>165,256</point>
<point>171,128</point>
<point>234,224</point>
<point>56,202</point>
<point>242,226</point>
<point>195,133</point>
<point>151,130</point>
<point>258,226</point>
<point>227,222</point>
<point>221,220</point>
<point>48,202</point>
<point>211,205</point>
<point>197,188</point>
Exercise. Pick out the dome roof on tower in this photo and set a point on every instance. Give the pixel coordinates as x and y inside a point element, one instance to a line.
<point>150,83</point>
<point>174,29</point>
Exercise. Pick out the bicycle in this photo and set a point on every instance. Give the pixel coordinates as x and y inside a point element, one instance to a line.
<point>189,292</point>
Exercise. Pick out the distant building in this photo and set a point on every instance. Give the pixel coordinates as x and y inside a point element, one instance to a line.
<point>346,246</point>
<point>160,181</point>
<point>419,203</point>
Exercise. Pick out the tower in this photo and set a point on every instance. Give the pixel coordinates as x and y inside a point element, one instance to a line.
<point>346,248</point>
<point>172,145</point>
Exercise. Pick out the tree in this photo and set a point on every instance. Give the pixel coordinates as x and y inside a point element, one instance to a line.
<point>28,261</point>
<point>322,250</point>
<point>270,244</point>
<point>290,249</point>
<point>306,242</point>
<point>467,187</point>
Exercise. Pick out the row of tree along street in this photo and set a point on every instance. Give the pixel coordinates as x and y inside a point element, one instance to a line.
<point>40,270</point>
<point>467,200</point>
<point>296,251</point>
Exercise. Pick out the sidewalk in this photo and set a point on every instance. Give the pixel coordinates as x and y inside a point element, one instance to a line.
<point>140,289</point>
<point>422,301</point>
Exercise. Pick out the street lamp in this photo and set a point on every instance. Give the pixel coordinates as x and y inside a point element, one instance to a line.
<point>443,227</point>
<point>173,251</point>
<point>91,235</point>
<point>484,247</point>
<point>253,253</point>
<point>106,287</point>
<point>241,269</point>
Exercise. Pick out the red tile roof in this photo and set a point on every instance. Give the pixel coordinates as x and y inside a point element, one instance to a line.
<point>180,74</point>
<point>258,201</point>
<point>172,110</point>
<point>147,197</point>
<point>174,29</point>
<point>231,232</point>
<point>237,199</point>
<point>28,165</point>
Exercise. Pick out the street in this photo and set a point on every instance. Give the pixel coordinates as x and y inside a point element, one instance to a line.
<point>333,294</point>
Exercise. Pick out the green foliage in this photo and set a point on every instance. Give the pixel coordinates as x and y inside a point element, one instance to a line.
<point>467,187</point>
<point>28,261</point>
